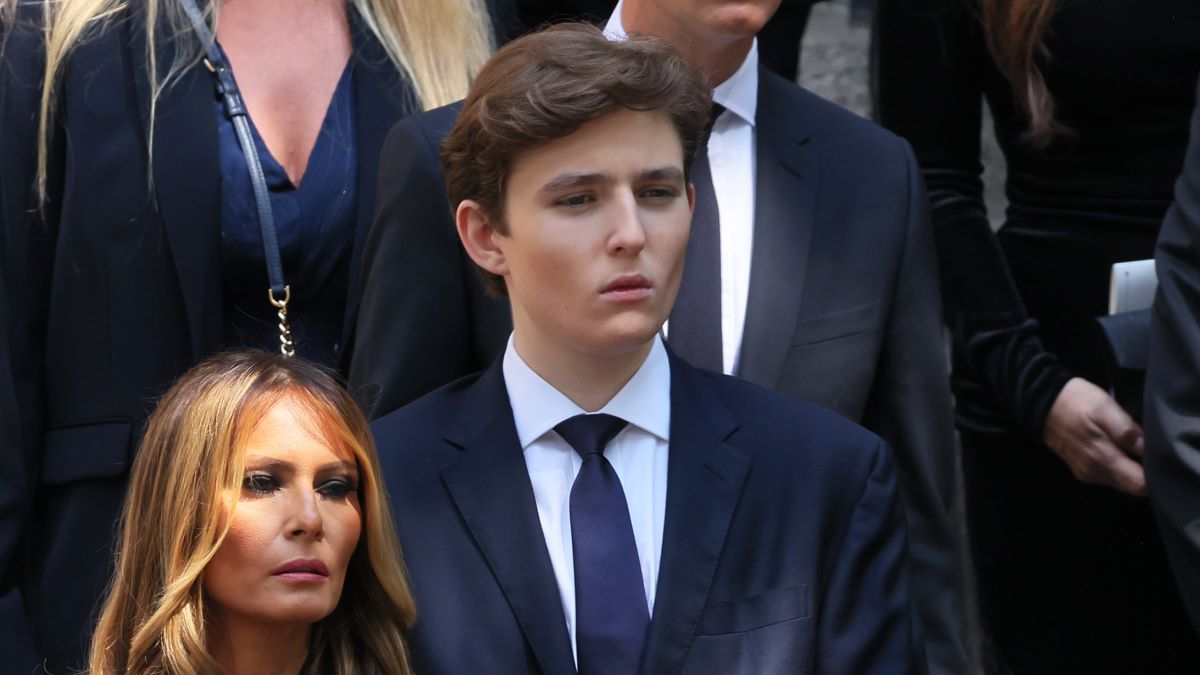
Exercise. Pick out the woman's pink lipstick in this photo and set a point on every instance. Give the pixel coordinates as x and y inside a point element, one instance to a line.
<point>302,570</point>
<point>628,288</point>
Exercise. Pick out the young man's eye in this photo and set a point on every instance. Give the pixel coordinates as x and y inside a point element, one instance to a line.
<point>260,483</point>
<point>660,192</point>
<point>337,488</point>
<point>575,200</point>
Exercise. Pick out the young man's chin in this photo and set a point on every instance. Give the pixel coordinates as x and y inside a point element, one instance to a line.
<point>615,340</point>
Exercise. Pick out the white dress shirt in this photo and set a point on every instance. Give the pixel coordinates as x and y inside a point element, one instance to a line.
<point>638,454</point>
<point>731,155</point>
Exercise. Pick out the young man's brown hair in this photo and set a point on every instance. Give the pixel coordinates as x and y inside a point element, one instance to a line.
<point>546,85</point>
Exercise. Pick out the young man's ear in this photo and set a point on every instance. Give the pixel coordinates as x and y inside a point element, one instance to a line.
<point>478,235</point>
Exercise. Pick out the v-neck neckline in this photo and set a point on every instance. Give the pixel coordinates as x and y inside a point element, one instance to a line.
<point>267,158</point>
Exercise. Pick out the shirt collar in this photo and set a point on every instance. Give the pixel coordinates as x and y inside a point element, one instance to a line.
<point>644,401</point>
<point>739,94</point>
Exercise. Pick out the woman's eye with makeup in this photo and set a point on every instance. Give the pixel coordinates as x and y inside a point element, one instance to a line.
<point>337,488</point>
<point>260,483</point>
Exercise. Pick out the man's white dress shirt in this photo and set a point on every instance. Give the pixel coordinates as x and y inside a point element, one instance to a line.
<point>638,454</point>
<point>731,154</point>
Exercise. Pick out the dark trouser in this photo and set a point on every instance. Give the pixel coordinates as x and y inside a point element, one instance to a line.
<point>1072,578</point>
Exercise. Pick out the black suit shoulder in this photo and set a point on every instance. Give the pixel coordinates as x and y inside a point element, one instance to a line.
<point>434,411</point>
<point>421,294</point>
<point>428,128</point>
<point>822,116</point>
<point>788,416</point>
<point>790,440</point>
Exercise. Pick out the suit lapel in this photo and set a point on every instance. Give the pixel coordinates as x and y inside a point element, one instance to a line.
<point>381,98</point>
<point>490,486</point>
<point>704,482</point>
<point>187,186</point>
<point>785,204</point>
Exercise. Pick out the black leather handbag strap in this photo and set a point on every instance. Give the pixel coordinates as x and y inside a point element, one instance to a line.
<point>278,293</point>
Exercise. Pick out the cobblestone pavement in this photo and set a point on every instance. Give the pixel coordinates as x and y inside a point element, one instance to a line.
<point>834,56</point>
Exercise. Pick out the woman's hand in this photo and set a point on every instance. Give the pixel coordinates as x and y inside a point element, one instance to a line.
<point>1095,437</point>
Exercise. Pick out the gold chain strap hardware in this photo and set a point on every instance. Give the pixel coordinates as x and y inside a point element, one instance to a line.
<point>287,346</point>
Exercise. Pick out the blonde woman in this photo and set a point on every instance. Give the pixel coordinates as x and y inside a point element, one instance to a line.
<point>131,239</point>
<point>256,535</point>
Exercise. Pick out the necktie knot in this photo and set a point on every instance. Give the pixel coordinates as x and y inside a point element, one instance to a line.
<point>589,434</point>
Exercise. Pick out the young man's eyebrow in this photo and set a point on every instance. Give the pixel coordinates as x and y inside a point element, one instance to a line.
<point>669,173</point>
<point>573,179</point>
<point>577,178</point>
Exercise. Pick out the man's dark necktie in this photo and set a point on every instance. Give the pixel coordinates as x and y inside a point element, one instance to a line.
<point>611,617</point>
<point>694,331</point>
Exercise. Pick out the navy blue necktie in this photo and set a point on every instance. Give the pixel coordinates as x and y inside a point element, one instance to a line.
<point>611,617</point>
<point>695,328</point>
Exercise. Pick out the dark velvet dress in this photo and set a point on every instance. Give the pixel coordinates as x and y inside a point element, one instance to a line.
<point>1072,577</point>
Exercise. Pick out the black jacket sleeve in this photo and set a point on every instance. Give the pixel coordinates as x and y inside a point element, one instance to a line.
<point>931,61</point>
<point>910,407</point>
<point>1173,381</point>
<point>26,244</point>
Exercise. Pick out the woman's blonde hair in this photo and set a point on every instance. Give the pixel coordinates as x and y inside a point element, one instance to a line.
<point>438,45</point>
<point>184,487</point>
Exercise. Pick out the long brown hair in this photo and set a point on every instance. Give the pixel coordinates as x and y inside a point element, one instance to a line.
<point>1015,30</point>
<point>178,511</point>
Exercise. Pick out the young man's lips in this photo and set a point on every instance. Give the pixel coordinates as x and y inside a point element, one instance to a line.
<point>628,285</point>
<point>302,569</point>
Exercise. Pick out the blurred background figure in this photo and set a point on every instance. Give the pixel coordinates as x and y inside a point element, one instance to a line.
<point>131,241</point>
<point>778,41</point>
<point>1091,102</point>
<point>256,535</point>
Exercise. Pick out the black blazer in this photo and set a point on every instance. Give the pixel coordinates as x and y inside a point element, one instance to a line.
<point>783,544</point>
<point>115,293</point>
<point>1173,381</point>
<point>843,309</point>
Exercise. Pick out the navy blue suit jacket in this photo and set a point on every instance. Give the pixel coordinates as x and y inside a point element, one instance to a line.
<point>783,544</point>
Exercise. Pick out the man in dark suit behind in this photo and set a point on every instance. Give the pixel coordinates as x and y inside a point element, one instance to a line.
<point>811,261</point>
<point>592,502</point>
<point>1173,381</point>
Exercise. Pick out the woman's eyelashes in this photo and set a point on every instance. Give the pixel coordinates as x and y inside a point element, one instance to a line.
<point>338,488</point>
<point>261,484</point>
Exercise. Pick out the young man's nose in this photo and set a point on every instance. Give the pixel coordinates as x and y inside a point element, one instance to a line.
<point>628,234</point>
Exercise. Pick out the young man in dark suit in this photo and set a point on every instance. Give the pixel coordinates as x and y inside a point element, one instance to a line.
<point>811,272</point>
<point>592,502</point>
